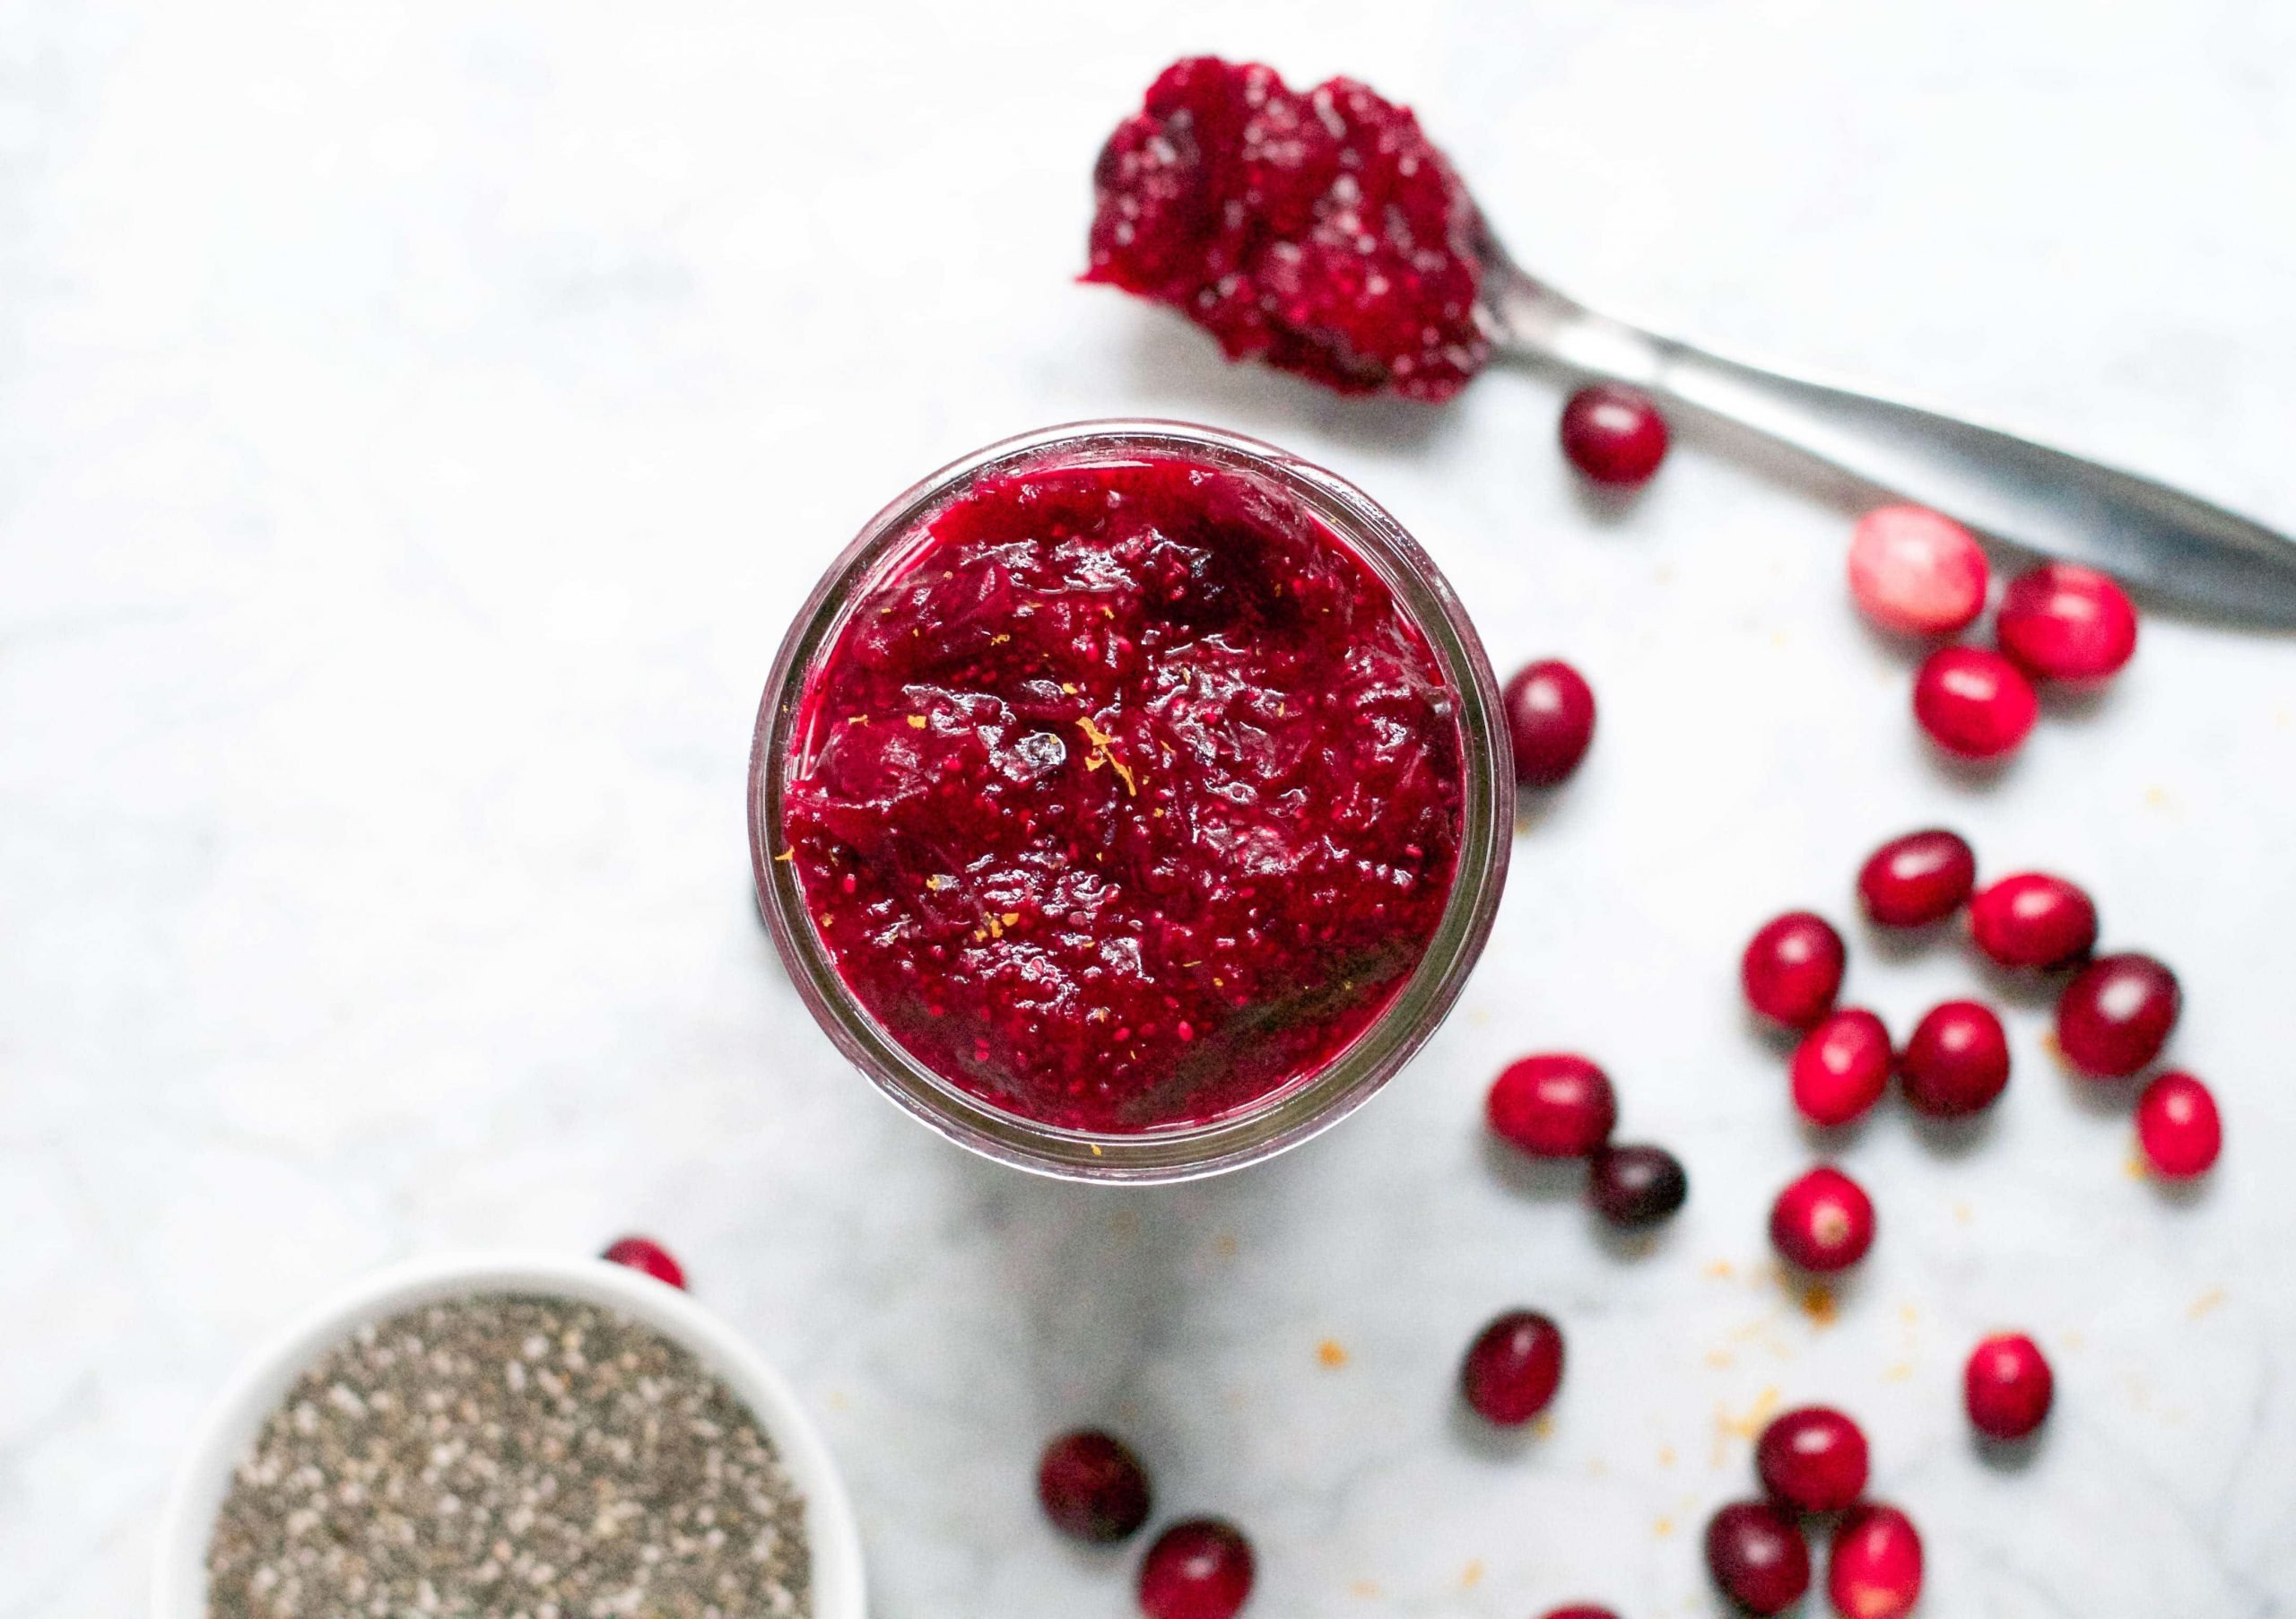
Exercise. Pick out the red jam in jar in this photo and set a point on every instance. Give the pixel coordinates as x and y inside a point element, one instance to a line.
<point>1128,796</point>
<point>1319,232</point>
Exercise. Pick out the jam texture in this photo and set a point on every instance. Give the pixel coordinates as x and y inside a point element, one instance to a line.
<point>1320,232</point>
<point>1129,797</point>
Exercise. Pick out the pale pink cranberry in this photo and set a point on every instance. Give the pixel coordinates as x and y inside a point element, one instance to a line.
<point>1873,1566</point>
<point>1513,1367</point>
<point>1553,1105</point>
<point>1813,1458</point>
<point>1822,1222</point>
<point>1975,704</point>
<point>1550,719</point>
<point>2114,1017</point>
<point>645,1254</point>
<point>2008,1386</point>
<point>1757,1555</point>
<point>1092,1486</point>
<point>1915,571</point>
<point>2177,1126</point>
<point>1840,1068</point>
<point>1198,1569</point>
<point>2066,623</point>
<point>1792,968</point>
<point>1613,434</point>
<point>1957,1062</point>
<point>2032,919</point>
<point>1919,879</point>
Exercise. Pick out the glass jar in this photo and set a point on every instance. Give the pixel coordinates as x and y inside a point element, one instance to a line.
<point>1308,1102</point>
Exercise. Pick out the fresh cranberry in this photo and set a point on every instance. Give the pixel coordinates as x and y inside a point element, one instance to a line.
<point>1813,1458</point>
<point>1792,968</point>
<point>2178,1125</point>
<point>2114,1017</point>
<point>1092,1486</point>
<point>1581,1610</point>
<point>1957,1062</point>
<point>1842,1067</point>
<point>1550,721</point>
<point>1920,878</point>
<point>2008,1386</point>
<point>2032,919</point>
<point>1874,1568</point>
<point>643,1253</point>
<point>1975,704</point>
<point>1513,1367</point>
<point>1915,571</point>
<point>2065,621</point>
<point>1757,1555</point>
<point>1198,1569</point>
<point>1613,434</point>
<point>1636,1186</point>
<point>1553,1105</point>
<point>1824,1221</point>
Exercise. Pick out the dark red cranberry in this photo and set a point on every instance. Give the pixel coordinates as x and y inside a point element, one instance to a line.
<point>1813,1458</point>
<point>1198,1569</point>
<point>1792,968</point>
<point>2114,1017</point>
<point>1637,1186</point>
<point>2065,621</point>
<point>1874,1567</point>
<point>1550,719</point>
<point>1513,1367</point>
<point>1957,1062</point>
<point>2177,1126</point>
<point>643,1253</point>
<point>1581,1610</point>
<point>1824,1221</point>
<point>1757,1555</point>
<point>2008,1386</point>
<point>1553,1105</point>
<point>2032,919</point>
<point>1920,878</point>
<point>1613,434</point>
<point>1975,704</point>
<point>1092,1486</point>
<point>1842,1067</point>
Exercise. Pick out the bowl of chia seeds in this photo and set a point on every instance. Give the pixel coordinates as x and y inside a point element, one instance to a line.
<point>509,1435</point>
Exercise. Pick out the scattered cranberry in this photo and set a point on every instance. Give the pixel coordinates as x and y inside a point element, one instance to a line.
<point>1975,704</point>
<point>1916,572</point>
<point>1792,968</point>
<point>1092,1486</point>
<point>1874,1571</point>
<point>1842,1067</point>
<point>2033,919</point>
<point>1637,1186</point>
<point>1920,878</point>
<point>1513,1367</point>
<point>2114,1017</point>
<point>1198,1569</point>
<point>1824,1221</point>
<point>1550,721</point>
<point>643,1253</point>
<point>1813,1458</point>
<point>2177,1126</point>
<point>1757,1555</point>
<point>1581,1610</point>
<point>1957,1062</point>
<point>1613,434</point>
<point>2008,1386</point>
<point>2065,621</point>
<point>1553,1105</point>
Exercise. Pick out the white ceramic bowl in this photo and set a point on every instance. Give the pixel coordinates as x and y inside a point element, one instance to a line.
<point>179,1587</point>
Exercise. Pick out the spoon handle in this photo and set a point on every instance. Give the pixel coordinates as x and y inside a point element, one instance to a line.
<point>2176,546</point>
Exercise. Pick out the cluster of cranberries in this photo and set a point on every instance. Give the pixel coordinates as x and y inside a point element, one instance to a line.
<point>1558,1105</point>
<point>1093,1489</point>
<point>1813,1463</point>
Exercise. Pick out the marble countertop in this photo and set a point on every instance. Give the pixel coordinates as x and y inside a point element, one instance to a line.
<point>418,423</point>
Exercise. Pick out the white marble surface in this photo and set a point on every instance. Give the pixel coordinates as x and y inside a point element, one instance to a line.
<point>417,423</point>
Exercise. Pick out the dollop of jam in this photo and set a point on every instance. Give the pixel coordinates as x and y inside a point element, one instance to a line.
<point>1130,797</point>
<point>1321,232</point>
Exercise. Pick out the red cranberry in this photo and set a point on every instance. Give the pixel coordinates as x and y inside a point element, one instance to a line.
<point>1198,1569</point>
<point>1824,1221</point>
<point>1975,704</point>
<point>1513,1367</point>
<point>2065,621</point>
<point>1757,1555</point>
<point>1920,878</point>
<point>1553,1105</point>
<point>2033,919</point>
<point>1874,1569</point>
<point>1550,721</point>
<point>1792,968</point>
<point>643,1253</point>
<point>1957,1062</point>
<point>1813,1458</point>
<point>1842,1067</point>
<point>1581,1610</point>
<point>2008,1386</point>
<point>2177,1126</point>
<point>1092,1486</point>
<point>2114,1017</point>
<point>1916,572</point>
<point>1637,1186</point>
<point>1613,434</point>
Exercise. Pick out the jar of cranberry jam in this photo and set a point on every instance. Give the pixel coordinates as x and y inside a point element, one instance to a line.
<point>1130,800</point>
